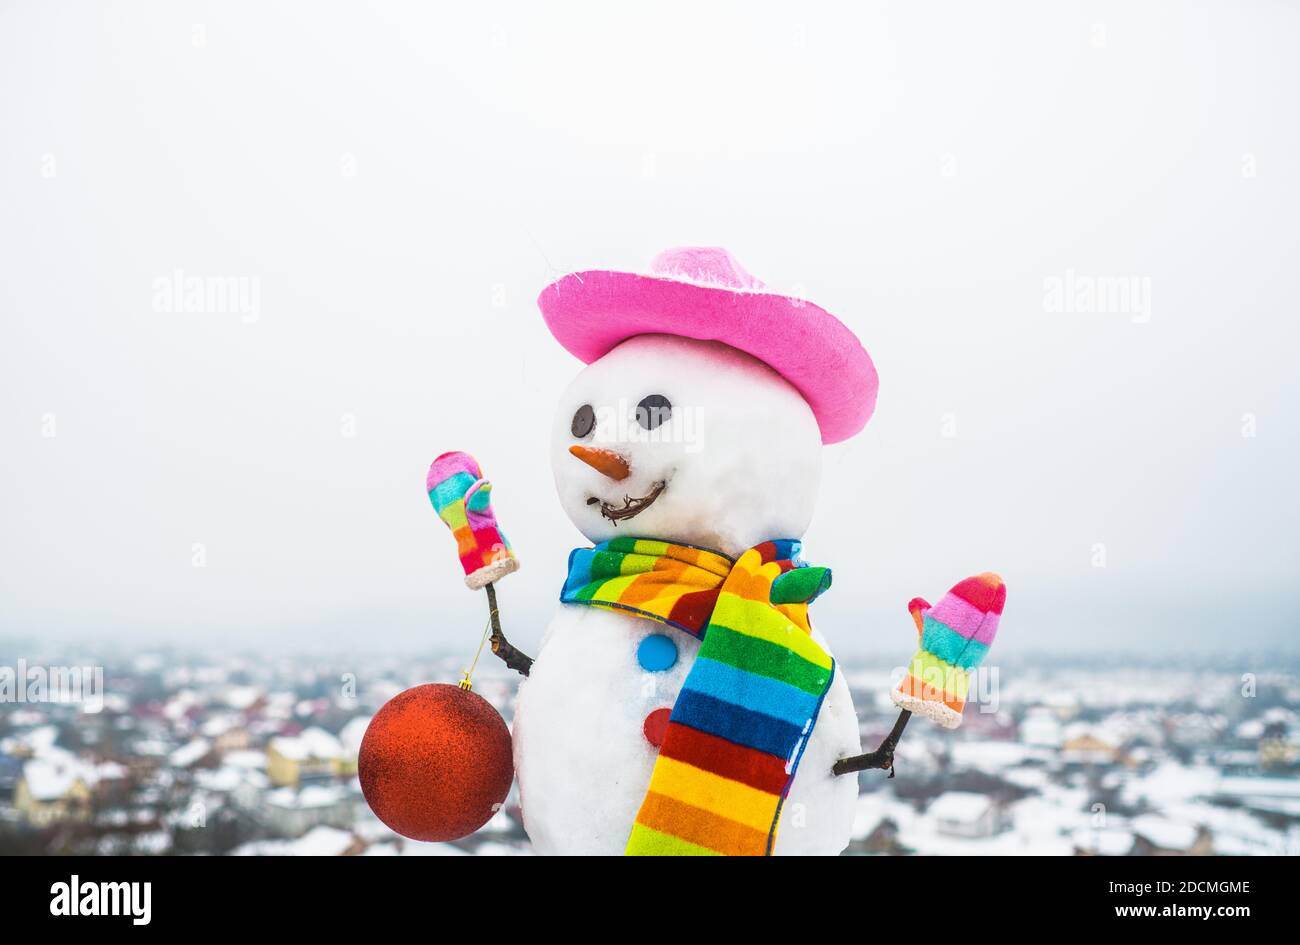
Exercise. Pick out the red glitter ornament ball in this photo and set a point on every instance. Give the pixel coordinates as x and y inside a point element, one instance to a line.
<point>435,763</point>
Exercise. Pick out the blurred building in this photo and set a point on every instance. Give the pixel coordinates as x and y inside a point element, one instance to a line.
<point>52,790</point>
<point>312,755</point>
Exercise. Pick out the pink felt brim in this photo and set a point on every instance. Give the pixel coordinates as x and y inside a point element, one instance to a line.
<point>590,313</point>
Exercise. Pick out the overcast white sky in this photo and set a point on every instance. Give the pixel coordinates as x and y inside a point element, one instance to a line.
<point>398,184</point>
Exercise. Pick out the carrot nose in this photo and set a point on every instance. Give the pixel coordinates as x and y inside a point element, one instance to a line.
<point>607,462</point>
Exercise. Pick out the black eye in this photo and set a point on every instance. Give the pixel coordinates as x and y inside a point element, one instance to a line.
<point>584,421</point>
<point>653,410</point>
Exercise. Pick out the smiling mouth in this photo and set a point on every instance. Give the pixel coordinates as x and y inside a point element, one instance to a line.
<point>631,507</point>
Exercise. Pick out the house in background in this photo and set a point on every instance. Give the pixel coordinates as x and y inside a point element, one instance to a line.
<point>967,815</point>
<point>52,790</point>
<point>289,812</point>
<point>313,755</point>
<point>319,841</point>
<point>1103,841</point>
<point>881,840</point>
<point>1089,745</point>
<point>327,841</point>
<point>1158,836</point>
<point>190,754</point>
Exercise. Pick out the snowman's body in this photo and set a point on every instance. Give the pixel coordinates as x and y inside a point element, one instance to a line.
<point>583,760</point>
<point>736,463</point>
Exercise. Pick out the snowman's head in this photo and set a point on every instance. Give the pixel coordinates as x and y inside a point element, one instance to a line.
<point>686,441</point>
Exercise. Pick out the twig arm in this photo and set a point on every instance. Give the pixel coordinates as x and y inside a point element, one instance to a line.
<point>514,658</point>
<point>882,757</point>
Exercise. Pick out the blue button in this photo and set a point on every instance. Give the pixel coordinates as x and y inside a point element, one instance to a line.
<point>656,653</point>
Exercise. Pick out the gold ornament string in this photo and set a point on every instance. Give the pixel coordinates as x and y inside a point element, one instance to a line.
<point>466,681</point>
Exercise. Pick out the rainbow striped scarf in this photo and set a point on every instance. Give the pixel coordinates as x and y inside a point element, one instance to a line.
<point>747,708</point>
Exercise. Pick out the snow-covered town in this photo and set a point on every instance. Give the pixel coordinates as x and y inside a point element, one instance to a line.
<point>241,756</point>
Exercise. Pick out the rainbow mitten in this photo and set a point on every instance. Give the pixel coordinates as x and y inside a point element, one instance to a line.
<point>955,635</point>
<point>463,499</point>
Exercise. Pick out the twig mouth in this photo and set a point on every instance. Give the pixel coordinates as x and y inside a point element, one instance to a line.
<point>630,507</point>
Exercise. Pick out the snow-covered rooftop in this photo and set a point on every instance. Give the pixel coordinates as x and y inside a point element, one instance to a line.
<point>322,841</point>
<point>245,759</point>
<point>1163,832</point>
<point>222,780</point>
<point>1106,842</point>
<point>312,743</point>
<point>49,779</point>
<point>241,697</point>
<point>313,795</point>
<point>189,753</point>
<point>1244,787</point>
<point>995,756</point>
<point>1169,783</point>
<point>960,806</point>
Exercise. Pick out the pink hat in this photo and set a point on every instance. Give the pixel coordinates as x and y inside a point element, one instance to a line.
<point>702,292</point>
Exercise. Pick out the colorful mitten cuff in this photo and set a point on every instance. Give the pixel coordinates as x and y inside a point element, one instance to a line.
<point>463,499</point>
<point>955,635</point>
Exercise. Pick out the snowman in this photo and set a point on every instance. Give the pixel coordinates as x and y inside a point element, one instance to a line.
<point>682,702</point>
